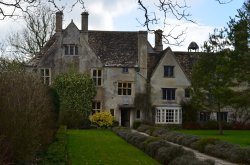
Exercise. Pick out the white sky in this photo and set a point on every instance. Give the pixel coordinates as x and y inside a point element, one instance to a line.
<point>121,15</point>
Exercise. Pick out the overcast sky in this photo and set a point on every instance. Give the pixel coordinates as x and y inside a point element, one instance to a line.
<point>121,15</point>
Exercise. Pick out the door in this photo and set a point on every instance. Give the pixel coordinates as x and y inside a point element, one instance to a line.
<point>125,117</point>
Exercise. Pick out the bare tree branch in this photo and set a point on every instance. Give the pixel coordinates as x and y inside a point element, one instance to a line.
<point>224,2</point>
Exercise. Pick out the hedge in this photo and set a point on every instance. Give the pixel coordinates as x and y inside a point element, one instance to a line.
<point>57,151</point>
<point>211,146</point>
<point>159,149</point>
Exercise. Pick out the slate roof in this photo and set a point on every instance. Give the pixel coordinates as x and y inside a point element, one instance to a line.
<point>115,48</point>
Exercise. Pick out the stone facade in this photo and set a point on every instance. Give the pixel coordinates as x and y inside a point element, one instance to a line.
<point>121,64</point>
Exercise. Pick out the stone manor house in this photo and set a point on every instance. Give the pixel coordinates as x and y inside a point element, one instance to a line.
<point>121,64</point>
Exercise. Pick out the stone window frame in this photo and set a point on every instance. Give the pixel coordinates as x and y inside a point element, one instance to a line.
<point>71,50</point>
<point>169,94</point>
<point>168,115</point>
<point>96,106</point>
<point>124,88</point>
<point>45,78</point>
<point>97,76</point>
<point>168,71</point>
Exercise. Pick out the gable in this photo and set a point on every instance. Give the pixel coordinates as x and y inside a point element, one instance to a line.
<point>168,59</point>
<point>71,35</point>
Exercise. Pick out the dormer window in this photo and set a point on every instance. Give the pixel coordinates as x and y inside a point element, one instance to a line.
<point>70,50</point>
<point>168,71</point>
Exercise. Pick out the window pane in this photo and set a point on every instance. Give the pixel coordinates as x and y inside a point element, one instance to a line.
<point>99,82</point>
<point>119,85</point>
<point>164,94</point>
<point>46,72</point>
<point>76,50</point>
<point>124,85</point>
<point>129,85</point>
<point>99,73</point>
<point>129,91</point>
<point>138,114</point>
<point>71,50</point>
<point>47,80</point>
<point>112,112</point>
<point>42,72</point>
<point>98,105</point>
<point>124,91</point>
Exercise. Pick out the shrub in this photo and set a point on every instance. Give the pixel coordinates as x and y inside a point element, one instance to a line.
<point>27,120</point>
<point>190,160</point>
<point>203,142</point>
<point>144,128</point>
<point>57,151</point>
<point>76,92</point>
<point>102,119</point>
<point>136,124</point>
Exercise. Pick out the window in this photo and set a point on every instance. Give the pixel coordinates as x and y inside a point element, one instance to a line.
<point>125,70</point>
<point>112,112</point>
<point>96,106</point>
<point>97,77</point>
<point>138,114</point>
<point>168,71</point>
<point>222,116</point>
<point>168,93</point>
<point>204,116</point>
<point>45,74</point>
<point>187,93</point>
<point>124,88</point>
<point>167,115</point>
<point>70,49</point>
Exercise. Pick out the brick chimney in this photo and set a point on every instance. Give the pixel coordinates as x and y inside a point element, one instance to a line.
<point>158,40</point>
<point>59,17</point>
<point>85,22</point>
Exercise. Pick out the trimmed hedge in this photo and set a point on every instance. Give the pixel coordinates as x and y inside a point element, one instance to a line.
<point>57,151</point>
<point>158,148</point>
<point>211,146</point>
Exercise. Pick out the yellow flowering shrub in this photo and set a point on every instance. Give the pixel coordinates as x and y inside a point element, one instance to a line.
<point>102,119</point>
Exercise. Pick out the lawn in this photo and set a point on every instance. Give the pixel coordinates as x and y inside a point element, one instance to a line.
<point>103,147</point>
<point>241,137</point>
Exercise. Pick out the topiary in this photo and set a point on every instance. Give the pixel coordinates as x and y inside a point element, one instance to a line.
<point>102,119</point>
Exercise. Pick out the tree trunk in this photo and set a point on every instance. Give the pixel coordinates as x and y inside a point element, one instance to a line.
<point>219,118</point>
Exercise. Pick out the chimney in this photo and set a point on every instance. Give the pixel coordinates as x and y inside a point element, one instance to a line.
<point>59,17</point>
<point>158,40</point>
<point>85,22</point>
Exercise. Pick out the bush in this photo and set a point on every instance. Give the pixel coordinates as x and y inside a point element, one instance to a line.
<point>76,92</point>
<point>102,119</point>
<point>136,124</point>
<point>73,119</point>
<point>57,151</point>
<point>27,120</point>
<point>190,160</point>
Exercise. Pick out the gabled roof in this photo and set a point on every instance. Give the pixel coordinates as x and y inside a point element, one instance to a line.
<point>185,59</point>
<point>115,48</point>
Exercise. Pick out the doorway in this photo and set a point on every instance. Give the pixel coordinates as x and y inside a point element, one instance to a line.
<point>125,117</point>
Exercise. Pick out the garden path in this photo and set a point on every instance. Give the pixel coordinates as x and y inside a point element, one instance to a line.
<point>198,154</point>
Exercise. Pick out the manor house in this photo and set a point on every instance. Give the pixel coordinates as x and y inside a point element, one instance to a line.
<point>123,65</point>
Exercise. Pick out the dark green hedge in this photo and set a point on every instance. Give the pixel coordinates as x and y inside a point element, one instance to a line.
<point>57,151</point>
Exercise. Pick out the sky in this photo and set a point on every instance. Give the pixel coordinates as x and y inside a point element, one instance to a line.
<point>123,15</point>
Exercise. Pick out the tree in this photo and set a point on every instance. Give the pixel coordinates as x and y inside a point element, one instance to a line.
<point>212,82</point>
<point>39,28</point>
<point>224,67</point>
<point>27,119</point>
<point>76,92</point>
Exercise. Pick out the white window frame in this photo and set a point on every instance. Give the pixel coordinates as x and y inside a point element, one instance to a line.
<point>44,76</point>
<point>168,115</point>
<point>96,77</point>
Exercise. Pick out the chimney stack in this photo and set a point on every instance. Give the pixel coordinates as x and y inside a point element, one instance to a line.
<point>85,22</point>
<point>158,40</point>
<point>59,17</point>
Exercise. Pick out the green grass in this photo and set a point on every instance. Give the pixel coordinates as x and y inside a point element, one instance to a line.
<point>94,147</point>
<point>241,137</point>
